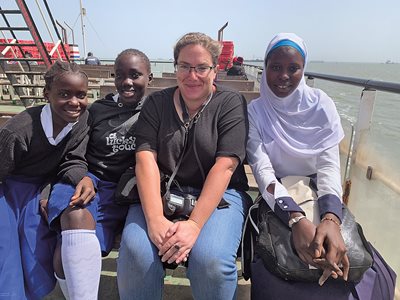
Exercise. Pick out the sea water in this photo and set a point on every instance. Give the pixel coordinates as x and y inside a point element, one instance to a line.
<point>382,148</point>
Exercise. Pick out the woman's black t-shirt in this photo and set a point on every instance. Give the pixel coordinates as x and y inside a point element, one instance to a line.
<point>221,130</point>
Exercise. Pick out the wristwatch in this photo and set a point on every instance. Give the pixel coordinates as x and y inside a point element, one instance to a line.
<point>295,220</point>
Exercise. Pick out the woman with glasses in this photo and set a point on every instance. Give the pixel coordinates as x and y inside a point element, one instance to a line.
<point>195,132</point>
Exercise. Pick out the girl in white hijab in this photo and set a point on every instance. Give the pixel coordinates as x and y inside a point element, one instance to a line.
<point>296,130</point>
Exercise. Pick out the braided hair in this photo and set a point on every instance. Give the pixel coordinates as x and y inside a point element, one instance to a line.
<point>60,69</point>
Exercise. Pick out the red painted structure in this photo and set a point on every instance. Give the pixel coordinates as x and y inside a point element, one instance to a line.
<point>226,58</point>
<point>34,32</point>
<point>34,50</point>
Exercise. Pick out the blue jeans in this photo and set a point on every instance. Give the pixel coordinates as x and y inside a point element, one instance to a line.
<point>212,264</point>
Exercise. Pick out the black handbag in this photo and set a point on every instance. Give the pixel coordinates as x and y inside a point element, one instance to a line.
<point>273,244</point>
<point>126,192</point>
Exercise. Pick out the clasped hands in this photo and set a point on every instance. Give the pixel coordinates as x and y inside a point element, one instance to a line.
<point>323,247</point>
<point>173,240</point>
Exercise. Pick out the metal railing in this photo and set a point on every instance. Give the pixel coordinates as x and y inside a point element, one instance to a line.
<point>391,87</point>
<point>366,108</point>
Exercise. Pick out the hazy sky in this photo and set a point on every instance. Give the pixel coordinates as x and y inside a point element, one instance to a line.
<point>336,30</point>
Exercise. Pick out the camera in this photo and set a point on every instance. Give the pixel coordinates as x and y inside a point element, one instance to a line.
<point>178,205</point>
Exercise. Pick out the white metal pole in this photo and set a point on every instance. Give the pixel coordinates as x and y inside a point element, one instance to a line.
<point>83,12</point>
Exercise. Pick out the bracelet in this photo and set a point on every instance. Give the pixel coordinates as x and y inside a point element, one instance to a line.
<point>331,219</point>
<point>295,220</point>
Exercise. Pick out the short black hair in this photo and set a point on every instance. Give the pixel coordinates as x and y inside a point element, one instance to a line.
<point>135,52</point>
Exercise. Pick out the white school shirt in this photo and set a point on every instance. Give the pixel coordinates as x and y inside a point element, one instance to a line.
<point>47,124</point>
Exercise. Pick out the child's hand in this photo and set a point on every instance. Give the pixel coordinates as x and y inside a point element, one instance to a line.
<point>84,192</point>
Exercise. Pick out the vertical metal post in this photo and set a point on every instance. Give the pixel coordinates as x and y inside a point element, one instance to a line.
<point>364,118</point>
<point>310,81</point>
<point>72,31</point>
<point>221,32</point>
<point>64,37</point>
<point>83,12</point>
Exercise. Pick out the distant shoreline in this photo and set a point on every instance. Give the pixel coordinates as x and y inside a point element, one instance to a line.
<point>339,62</point>
<point>257,60</point>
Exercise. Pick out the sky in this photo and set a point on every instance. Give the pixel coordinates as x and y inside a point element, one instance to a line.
<point>336,30</point>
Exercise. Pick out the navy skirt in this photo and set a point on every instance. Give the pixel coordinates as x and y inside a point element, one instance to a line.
<point>26,243</point>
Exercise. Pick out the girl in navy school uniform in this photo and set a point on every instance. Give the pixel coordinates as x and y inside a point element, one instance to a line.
<point>88,231</point>
<point>38,146</point>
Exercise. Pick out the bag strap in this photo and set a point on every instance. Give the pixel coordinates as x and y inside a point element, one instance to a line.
<point>250,231</point>
<point>203,175</point>
<point>192,122</point>
<point>132,120</point>
<point>171,178</point>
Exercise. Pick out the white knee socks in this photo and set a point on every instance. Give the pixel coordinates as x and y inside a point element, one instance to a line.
<point>81,260</point>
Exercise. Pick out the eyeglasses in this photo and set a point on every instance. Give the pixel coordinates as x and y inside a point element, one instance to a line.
<point>200,70</point>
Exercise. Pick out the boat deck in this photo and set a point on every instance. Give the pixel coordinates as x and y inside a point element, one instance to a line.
<point>176,285</point>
